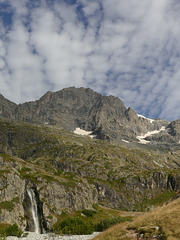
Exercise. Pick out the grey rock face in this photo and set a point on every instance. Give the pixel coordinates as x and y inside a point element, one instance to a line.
<point>6,108</point>
<point>174,128</point>
<point>135,189</point>
<point>11,194</point>
<point>67,108</point>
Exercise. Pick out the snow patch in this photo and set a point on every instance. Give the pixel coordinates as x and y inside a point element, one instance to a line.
<point>124,141</point>
<point>142,137</point>
<point>141,116</point>
<point>80,131</point>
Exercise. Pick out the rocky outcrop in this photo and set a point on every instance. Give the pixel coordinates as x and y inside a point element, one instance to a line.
<point>52,196</point>
<point>7,108</point>
<point>132,191</point>
<point>11,197</point>
<point>112,198</point>
<point>58,197</point>
<point>174,128</point>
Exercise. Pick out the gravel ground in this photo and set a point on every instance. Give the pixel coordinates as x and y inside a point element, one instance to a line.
<point>36,236</point>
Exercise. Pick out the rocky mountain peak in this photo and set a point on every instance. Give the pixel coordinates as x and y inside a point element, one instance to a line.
<point>46,97</point>
<point>105,116</point>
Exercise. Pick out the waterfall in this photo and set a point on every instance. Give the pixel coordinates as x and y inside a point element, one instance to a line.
<point>34,210</point>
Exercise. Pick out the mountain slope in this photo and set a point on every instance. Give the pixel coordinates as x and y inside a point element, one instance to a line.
<point>69,172</point>
<point>105,116</point>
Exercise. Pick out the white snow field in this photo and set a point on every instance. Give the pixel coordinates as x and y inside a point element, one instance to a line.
<point>80,131</point>
<point>142,137</point>
<point>141,116</point>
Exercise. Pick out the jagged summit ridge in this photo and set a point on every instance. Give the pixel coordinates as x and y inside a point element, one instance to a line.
<point>105,116</point>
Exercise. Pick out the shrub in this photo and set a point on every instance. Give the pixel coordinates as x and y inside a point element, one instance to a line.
<point>10,230</point>
<point>80,226</point>
<point>3,228</point>
<point>13,230</point>
<point>88,213</point>
<point>8,205</point>
<point>73,226</point>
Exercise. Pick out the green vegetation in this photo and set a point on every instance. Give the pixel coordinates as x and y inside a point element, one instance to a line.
<point>87,221</point>
<point>10,230</point>
<point>4,172</point>
<point>88,212</point>
<point>77,225</point>
<point>23,171</point>
<point>15,200</point>
<point>73,226</point>
<point>48,178</point>
<point>8,205</point>
<point>30,176</point>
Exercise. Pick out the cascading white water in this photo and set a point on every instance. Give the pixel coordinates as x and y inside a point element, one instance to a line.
<point>34,210</point>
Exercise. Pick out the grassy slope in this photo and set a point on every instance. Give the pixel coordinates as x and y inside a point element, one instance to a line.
<point>162,221</point>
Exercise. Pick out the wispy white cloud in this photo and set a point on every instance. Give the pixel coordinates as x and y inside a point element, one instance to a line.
<point>128,48</point>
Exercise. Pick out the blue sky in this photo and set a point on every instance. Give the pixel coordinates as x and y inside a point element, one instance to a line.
<point>129,49</point>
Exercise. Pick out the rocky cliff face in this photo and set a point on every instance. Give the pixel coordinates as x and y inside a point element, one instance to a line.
<point>134,190</point>
<point>52,196</point>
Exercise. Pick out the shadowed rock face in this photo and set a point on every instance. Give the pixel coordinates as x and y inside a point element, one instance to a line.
<point>174,128</point>
<point>105,116</point>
